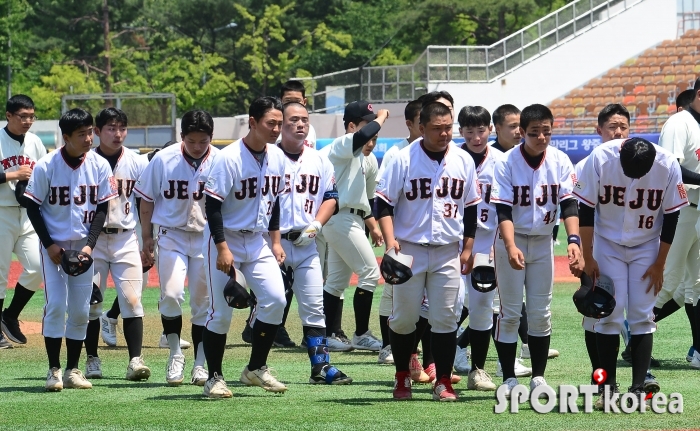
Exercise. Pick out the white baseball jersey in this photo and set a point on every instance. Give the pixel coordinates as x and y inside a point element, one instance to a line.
<point>429,197</point>
<point>355,174</point>
<point>122,211</point>
<point>579,168</point>
<point>391,153</point>
<point>248,191</point>
<point>533,192</point>
<point>305,183</point>
<point>68,197</point>
<point>176,188</point>
<point>12,156</point>
<point>486,211</point>
<point>681,136</point>
<point>630,211</point>
<point>310,140</point>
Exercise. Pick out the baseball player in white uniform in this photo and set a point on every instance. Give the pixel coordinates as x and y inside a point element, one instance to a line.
<point>344,235</point>
<point>117,252</point>
<point>19,151</point>
<point>432,179</point>
<point>412,118</point>
<point>68,196</point>
<point>309,199</point>
<point>634,191</point>
<point>172,196</point>
<point>532,181</point>
<point>242,203</point>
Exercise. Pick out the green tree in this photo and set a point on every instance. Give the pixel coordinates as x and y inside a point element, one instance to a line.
<point>62,79</point>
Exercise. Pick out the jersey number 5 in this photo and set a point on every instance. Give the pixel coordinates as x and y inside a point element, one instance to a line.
<point>451,210</point>
<point>484,215</point>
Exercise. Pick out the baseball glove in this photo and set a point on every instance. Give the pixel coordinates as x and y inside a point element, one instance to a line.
<point>75,262</point>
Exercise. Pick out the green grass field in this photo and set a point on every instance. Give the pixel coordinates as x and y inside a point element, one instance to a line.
<point>114,403</point>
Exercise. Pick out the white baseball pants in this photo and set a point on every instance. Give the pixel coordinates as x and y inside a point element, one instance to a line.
<point>17,235</point>
<point>683,262</point>
<point>308,282</point>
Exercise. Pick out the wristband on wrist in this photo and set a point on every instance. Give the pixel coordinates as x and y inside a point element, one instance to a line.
<point>574,239</point>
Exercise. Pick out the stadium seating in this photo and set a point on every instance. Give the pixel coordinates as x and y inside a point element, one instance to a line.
<point>647,85</point>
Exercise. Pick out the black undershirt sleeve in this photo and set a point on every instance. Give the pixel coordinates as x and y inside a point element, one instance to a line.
<point>3,178</point>
<point>504,212</point>
<point>690,177</point>
<point>370,202</point>
<point>470,221</point>
<point>275,217</point>
<point>668,228</point>
<point>138,208</point>
<point>361,137</point>
<point>383,209</point>
<point>212,209</point>
<point>569,208</point>
<point>586,215</point>
<point>97,224</point>
<point>34,215</point>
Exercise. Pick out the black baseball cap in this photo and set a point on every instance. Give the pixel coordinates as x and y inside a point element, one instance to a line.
<point>359,109</point>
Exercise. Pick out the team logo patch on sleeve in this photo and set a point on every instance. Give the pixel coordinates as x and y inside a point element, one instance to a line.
<point>579,185</point>
<point>210,182</point>
<point>681,191</point>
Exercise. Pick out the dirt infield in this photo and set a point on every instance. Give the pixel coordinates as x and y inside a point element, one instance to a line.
<point>561,274</point>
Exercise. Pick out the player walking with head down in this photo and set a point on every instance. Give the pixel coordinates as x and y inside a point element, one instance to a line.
<point>426,207</point>
<point>530,183</point>
<point>68,193</point>
<point>172,192</point>
<point>242,202</point>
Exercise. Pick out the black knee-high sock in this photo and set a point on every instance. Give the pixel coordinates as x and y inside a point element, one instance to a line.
<point>318,353</point>
<point>421,326</point>
<point>53,351</point>
<point>463,316</point>
<point>444,347</point>
<point>522,329</point>
<point>115,311</point>
<point>641,346</point>
<point>690,313</point>
<point>506,355</point>
<point>19,301</point>
<point>263,336</point>
<point>133,334</point>
<point>92,337</point>
<point>338,321</point>
<point>480,341</point>
<point>172,325</point>
<point>592,348</point>
<point>73,348</point>
<point>493,328</point>
<point>330,310</point>
<point>2,301</point>
<point>288,296</point>
<point>666,310</point>
<point>401,348</point>
<point>426,341</point>
<point>214,348</point>
<point>539,350</point>
<point>608,350</point>
<point>362,303</point>
<point>464,339</point>
<point>696,335</point>
<point>196,338</point>
<point>384,329</point>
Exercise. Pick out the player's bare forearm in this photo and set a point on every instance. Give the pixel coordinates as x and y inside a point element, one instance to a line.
<point>664,247</point>
<point>326,210</point>
<point>655,273</point>
<point>275,237</point>
<point>576,260</point>
<point>382,115</point>
<point>466,259</point>
<point>146,213</point>
<point>224,257</point>
<point>507,231</point>
<point>276,246</point>
<point>586,234</point>
<point>386,224</point>
<point>571,225</point>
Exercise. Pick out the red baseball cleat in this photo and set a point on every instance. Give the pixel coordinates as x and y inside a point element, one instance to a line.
<point>402,385</point>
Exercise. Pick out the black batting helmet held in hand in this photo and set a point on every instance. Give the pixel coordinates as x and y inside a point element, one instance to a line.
<point>484,273</point>
<point>75,262</point>
<point>595,298</point>
<point>236,290</point>
<point>396,267</point>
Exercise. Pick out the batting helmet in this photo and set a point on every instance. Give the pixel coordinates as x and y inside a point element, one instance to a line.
<point>75,262</point>
<point>595,298</point>
<point>637,156</point>
<point>236,290</point>
<point>396,267</point>
<point>484,273</point>
<point>96,296</point>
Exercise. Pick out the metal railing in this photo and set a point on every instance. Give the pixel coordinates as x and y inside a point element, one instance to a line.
<point>464,63</point>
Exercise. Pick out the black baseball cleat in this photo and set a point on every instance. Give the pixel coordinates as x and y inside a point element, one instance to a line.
<point>11,329</point>
<point>4,344</point>
<point>330,375</point>
<point>247,334</point>
<point>627,357</point>
<point>282,338</point>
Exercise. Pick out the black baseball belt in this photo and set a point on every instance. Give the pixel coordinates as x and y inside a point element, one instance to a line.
<point>291,235</point>
<point>113,230</point>
<point>361,213</point>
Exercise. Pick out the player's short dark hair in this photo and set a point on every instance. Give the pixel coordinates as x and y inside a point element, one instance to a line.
<point>696,86</point>
<point>292,104</point>
<point>500,114</point>
<point>474,116</point>
<point>536,112</point>
<point>293,85</point>
<point>17,102</point>
<point>108,115</point>
<point>685,99</point>
<point>637,156</point>
<point>412,109</point>
<point>433,96</point>
<point>261,105</point>
<point>435,109</point>
<point>73,120</point>
<point>197,120</point>
<point>612,109</point>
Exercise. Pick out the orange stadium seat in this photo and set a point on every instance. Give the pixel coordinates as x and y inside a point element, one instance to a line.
<point>654,61</point>
<point>678,69</point>
<point>558,103</point>
<point>639,89</point>
<point>616,73</point>
<point>629,99</point>
<point>595,82</point>
<point>614,81</point>
<point>599,100</point>
<point>644,70</point>
<point>576,93</point>
<point>672,108</point>
<point>642,108</point>
<point>666,43</point>
<point>654,69</point>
